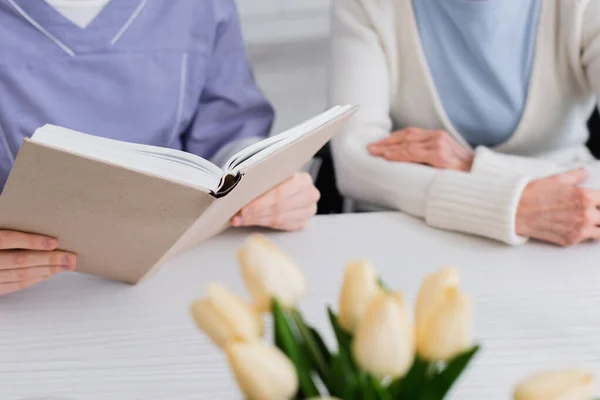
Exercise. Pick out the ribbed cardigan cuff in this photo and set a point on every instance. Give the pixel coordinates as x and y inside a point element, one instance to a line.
<point>489,163</point>
<point>476,204</point>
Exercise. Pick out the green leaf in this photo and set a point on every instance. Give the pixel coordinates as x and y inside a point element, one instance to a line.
<point>319,355</point>
<point>279,343</point>
<point>277,333</point>
<point>411,385</point>
<point>337,378</point>
<point>366,390</point>
<point>368,393</point>
<point>383,394</point>
<point>444,380</point>
<point>344,341</point>
<point>381,391</point>
<point>346,384</point>
<point>429,393</point>
<point>294,350</point>
<point>280,321</point>
<point>372,389</point>
<point>319,340</point>
<point>351,391</point>
<point>395,388</point>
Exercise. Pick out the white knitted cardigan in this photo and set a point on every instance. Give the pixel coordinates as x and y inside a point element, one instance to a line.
<point>378,63</point>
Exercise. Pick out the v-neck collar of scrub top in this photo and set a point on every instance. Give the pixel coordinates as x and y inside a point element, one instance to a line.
<point>104,31</point>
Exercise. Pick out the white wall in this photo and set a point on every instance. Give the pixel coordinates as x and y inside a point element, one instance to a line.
<point>265,21</point>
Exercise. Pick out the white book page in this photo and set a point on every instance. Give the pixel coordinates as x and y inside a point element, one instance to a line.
<point>249,151</point>
<point>263,144</point>
<point>179,156</point>
<point>168,163</point>
<point>173,164</point>
<point>285,138</point>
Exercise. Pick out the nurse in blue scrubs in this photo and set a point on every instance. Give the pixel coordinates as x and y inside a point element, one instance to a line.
<point>164,73</point>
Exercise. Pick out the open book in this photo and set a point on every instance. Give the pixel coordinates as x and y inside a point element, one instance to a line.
<point>173,164</point>
<point>125,208</point>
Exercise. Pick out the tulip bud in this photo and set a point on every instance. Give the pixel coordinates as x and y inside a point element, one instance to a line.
<point>270,273</point>
<point>435,344</point>
<point>445,329</point>
<point>573,384</point>
<point>359,288</point>
<point>224,316</point>
<point>384,341</point>
<point>433,284</point>
<point>262,371</point>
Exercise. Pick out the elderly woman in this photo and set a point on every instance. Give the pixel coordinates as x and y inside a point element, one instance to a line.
<point>473,113</point>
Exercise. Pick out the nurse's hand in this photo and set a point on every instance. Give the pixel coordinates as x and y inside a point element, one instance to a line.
<point>288,206</point>
<point>27,259</point>
<point>421,146</point>
<point>556,210</point>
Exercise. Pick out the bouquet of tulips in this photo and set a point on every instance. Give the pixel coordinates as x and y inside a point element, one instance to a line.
<point>381,353</point>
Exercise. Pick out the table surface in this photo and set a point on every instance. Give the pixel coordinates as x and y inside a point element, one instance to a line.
<point>80,337</point>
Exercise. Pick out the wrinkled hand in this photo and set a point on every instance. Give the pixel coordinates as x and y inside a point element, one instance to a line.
<point>288,206</point>
<point>555,210</point>
<point>27,259</point>
<point>435,148</point>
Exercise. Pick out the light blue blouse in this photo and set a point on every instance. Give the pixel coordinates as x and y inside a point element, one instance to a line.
<point>480,54</point>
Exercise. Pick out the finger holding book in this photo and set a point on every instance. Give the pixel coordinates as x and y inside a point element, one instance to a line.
<point>27,259</point>
<point>288,206</point>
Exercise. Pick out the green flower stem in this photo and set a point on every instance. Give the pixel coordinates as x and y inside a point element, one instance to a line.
<point>411,385</point>
<point>446,378</point>
<point>318,352</point>
<point>294,350</point>
<point>344,341</point>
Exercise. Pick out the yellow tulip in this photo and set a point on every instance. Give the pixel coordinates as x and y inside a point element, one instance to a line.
<point>445,330</point>
<point>262,371</point>
<point>359,287</point>
<point>224,316</point>
<point>384,341</point>
<point>572,384</point>
<point>443,317</point>
<point>432,285</point>
<point>270,273</point>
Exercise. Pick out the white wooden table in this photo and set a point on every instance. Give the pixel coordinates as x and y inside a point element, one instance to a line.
<point>78,337</point>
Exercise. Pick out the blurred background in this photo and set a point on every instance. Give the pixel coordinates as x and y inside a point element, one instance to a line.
<point>287,43</point>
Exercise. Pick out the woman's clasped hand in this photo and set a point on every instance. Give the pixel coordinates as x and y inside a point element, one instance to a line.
<point>553,209</point>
